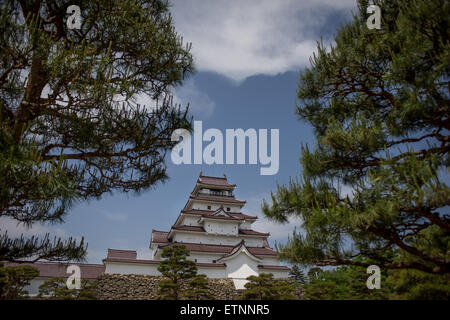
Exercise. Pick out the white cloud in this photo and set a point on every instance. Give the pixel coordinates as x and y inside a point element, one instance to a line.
<point>239,38</point>
<point>200,103</point>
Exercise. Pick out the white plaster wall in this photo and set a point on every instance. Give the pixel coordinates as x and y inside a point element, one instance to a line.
<point>151,269</point>
<point>212,272</point>
<point>204,206</point>
<point>204,257</point>
<point>230,240</point>
<point>190,221</point>
<point>132,268</point>
<point>246,225</point>
<point>188,237</point>
<point>253,242</point>
<point>221,227</point>
<point>241,267</point>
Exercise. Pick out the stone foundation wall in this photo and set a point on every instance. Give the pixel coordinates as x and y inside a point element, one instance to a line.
<point>144,287</point>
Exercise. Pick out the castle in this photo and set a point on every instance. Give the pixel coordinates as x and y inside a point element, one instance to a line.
<point>219,237</point>
<point>211,225</point>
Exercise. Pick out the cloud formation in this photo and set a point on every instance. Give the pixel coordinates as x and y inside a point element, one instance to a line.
<point>239,39</point>
<point>200,104</point>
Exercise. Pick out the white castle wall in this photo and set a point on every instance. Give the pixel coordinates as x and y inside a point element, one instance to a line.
<point>221,227</point>
<point>204,257</point>
<point>190,221</point>
<point>152,269</point>
<point>132,268</point>
<point>214,207</point>
<point>217,239</point>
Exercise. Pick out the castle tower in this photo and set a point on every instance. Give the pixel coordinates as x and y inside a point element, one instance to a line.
<point>219,236</point>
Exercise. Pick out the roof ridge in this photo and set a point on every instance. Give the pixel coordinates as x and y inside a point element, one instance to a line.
<point>121,249</point>
<point>59,262</point>
<point>225,178</point>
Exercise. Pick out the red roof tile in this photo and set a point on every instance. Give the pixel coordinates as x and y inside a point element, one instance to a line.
<point>273,267</point>
<point>215,181</point>
<point>159,236</point>
<point>189,228</point>
<point>121,254</point>
<point>252,232</point>
<point>215,248</point>
<point>216,199</point>
<point>221,217</point>
<point>209,212</point>
<point>59,269</point>
<point>140,261</point>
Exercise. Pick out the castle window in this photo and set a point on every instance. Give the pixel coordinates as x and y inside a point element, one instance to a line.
<point>228,208</point>
<point>209,207</point>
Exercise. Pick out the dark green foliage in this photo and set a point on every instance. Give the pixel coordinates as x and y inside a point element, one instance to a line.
<point>297,274</point>
<point>175,267</point>
<point>56,289</point>
<point>349,283</point>
<point>418,285</point>
<point>374,187</point>
<point>314,273</point>
<point>13,280</point>
<point>344,283</point>
<point>70,125</point>
<point>198,288</point>
<point>265,287</point>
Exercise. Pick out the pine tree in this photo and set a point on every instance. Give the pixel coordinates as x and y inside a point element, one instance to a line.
<point>13,280</point>
<point>198,288</point>
<point>297,274</point>
<point>374,186</point>
<point>265,287</point>
<point>56,289</point>
<point>175,267</point>
<point>70,125</point>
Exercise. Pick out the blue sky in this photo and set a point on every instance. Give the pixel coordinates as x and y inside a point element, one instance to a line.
<point>248,56</point>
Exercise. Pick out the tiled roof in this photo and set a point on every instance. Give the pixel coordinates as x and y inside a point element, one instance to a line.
<point>243,216</point>
<point>273,267</point>
<point>201,229</point>
<point>159,236</point>
<point>121,254</point>
<point>215,181</point>
<point>216,199</point>
<point>140,261</point>
<point>252,232</point>
<point>59,269</point>
<point>189,228</point>
<point>210,212</point>
<point>216,248</point>
<point>221,218</point>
